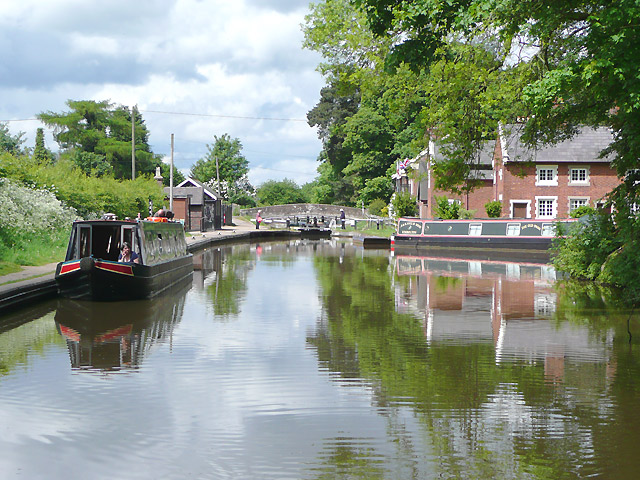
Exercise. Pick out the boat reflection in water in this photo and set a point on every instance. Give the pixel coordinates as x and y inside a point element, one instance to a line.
<point>511,305</point>
<point>116,336</point>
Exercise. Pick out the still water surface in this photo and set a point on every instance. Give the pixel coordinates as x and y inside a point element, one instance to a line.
<point>317,360</point>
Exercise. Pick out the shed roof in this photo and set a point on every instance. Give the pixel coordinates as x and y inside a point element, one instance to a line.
<point>191,187</point>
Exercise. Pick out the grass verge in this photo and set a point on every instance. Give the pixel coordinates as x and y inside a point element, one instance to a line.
<point>35,250</point>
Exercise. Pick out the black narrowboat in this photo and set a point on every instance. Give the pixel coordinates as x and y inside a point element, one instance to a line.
<point>510,233</point>
<point>91,270</point>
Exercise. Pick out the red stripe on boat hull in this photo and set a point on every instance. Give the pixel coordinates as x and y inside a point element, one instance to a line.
<point>120,268</point>
<point>69,267</point>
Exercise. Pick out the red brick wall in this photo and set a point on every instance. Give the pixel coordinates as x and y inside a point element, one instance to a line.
<point>519,180</point>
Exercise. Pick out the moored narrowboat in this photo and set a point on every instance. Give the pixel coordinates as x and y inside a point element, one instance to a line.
<point>92,270</point>
<point>511,233</point>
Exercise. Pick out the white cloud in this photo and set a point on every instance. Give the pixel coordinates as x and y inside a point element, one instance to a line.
<point>215,60</point>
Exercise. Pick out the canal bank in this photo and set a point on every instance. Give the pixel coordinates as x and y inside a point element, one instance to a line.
<point>33,284</point>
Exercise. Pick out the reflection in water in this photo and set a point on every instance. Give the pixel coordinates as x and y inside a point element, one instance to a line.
<point>519,300</point>
<point>117,335</point>
<point>477,349</point>
<point>318,360</point>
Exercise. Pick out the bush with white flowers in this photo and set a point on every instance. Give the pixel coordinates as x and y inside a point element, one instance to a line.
<point>26,212</point>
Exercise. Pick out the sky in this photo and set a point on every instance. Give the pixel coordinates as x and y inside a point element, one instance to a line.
<point>194,68</point>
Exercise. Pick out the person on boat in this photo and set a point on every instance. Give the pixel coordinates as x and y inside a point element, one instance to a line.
<point>127,256</point>
<point>258,219</point>
<point>342,217</point>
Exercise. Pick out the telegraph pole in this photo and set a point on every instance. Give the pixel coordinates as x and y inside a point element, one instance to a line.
<point>218,176</point>
<point>171,178</point>
<point>133,143</point>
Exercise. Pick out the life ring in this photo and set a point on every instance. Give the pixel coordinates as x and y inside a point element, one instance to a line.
<point>156,219</point>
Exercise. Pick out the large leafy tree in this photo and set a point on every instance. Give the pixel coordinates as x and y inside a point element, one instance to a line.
<point>562,64</point>
<point>232,167</point>
<point>366,117</point>
<point>582,54</point>
<point>280,192</point>
<point>97,136</point>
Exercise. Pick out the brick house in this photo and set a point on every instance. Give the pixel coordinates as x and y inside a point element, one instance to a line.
<point>548,182</point>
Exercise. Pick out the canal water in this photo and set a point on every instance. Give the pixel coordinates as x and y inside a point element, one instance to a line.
<point>319,360</point>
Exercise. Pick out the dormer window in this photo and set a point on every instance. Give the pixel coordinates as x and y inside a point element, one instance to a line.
<point>547,175</point>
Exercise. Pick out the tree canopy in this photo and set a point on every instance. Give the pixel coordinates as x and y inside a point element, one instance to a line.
<point>280,192</point>
<point>97,137</point>
<point>581,57</point>
<point>232,166</point>
<point>10,143</point>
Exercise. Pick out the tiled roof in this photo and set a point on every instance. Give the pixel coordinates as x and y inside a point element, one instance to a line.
<point>194,189</point>
<point>485,155</point>
<point>584,147</point>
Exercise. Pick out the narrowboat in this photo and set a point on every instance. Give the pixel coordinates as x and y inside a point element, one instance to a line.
<point>510,233</point>
<point>91,270</point>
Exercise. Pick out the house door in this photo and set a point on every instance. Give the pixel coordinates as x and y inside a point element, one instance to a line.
<point>520,210</point>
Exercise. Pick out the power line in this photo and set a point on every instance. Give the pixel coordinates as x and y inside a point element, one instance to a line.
<point>190,114</point>
<point>19,120</point>
<point>226,116</point>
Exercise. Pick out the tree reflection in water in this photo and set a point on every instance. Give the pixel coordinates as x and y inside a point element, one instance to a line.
<point>491,357</point>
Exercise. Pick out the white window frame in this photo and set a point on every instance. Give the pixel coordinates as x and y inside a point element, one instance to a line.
<point>548,230</point>
<point>584,182</point>
<point>513,229</point>
<point>528,202</point>
<point>475,229</point>
<point>553,182</point>
<point>573,199</point>
<point>554,207</point>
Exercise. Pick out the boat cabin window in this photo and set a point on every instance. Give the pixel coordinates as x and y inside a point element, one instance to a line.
<point>513,229</point>
<point>102,241</point>
<point>548,230</point>
<point>475,229</point>
<point>106,242</point>
<point>84,242</point>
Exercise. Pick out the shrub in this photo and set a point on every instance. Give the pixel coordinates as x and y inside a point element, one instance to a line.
<point>31,217</point>
<point>582,211</point>
<point>447,210</point>
<point>467,214</point>
<point>493,208</point>
<point>584,250</point>
<point>404,205</point>
<point>376,206</point>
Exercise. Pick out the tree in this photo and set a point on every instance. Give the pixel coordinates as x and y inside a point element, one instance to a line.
<point>10,143</point>
<point>280,192</point>
<point>232,166</point>
<point>165,171</point>
<point>581,56</point>
<point>366,117</point>
<point>40,153</point>
<point>103,130</point>
<point>562,65</point>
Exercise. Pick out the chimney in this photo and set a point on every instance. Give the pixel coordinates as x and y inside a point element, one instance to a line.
<point>158,177</point>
